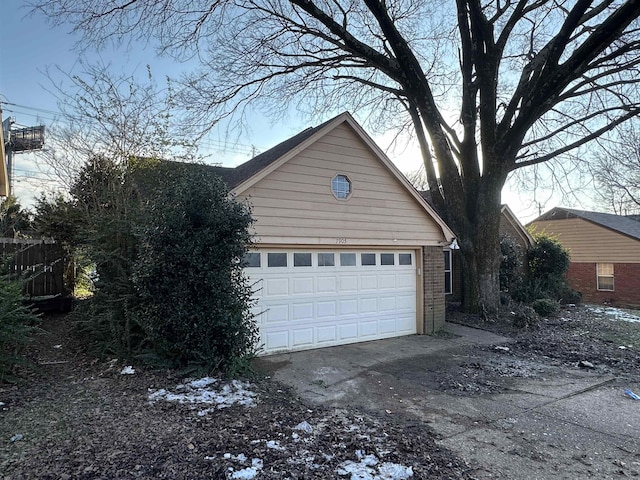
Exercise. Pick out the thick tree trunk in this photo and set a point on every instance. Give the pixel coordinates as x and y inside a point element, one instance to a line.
<point>480,251</point>
<point>477,229</point>
<point>480,282</point>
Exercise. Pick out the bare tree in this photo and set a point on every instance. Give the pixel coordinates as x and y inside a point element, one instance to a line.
<point>528,80</point>
<point>103,115</point>
<point>418,178</point>
<point>616,170</point>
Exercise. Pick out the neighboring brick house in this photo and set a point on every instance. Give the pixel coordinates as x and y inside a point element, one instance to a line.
<point>605,253</point>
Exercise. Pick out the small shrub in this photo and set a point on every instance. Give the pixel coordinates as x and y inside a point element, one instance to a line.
<point>546,307</point>
<point>17,324</point>
<point>548,264</point>
<point>524,316</point>
<point>567,295</point>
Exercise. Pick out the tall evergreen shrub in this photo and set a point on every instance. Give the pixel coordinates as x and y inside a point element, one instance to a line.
<point>194,301</point>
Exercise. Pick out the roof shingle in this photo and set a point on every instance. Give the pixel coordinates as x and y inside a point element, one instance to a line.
<point>235,176</point>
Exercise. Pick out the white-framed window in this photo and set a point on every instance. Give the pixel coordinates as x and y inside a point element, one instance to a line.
<point>604,273</point>
<point>367,259</point>
<point>341,186</point>
<point>347,259</point>
<point>326,260</point>
<point>252,259</point>
<point>387,259</point>
<point>301,259</point>
<point>276,259</point>
<point>405,259</point>
<point>448,277</point>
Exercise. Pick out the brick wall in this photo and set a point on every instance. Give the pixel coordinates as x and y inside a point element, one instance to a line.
<point>626,276</point>
<point>433,276</point>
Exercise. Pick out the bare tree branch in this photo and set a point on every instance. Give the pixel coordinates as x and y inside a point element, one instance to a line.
<point>490,87</point>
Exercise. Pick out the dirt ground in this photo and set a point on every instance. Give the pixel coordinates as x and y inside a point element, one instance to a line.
<point>76,417</point>
<point>578,334</point>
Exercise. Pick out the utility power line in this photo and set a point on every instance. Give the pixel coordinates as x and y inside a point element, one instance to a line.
<point>63,118</point>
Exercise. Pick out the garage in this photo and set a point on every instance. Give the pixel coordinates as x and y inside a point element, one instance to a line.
<point>319,298</point>
<point>343,248</point>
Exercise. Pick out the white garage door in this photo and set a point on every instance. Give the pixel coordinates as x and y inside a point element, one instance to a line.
<point>312,299</point>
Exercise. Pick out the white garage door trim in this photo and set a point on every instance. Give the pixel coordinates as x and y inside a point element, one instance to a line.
<point>319,298</point>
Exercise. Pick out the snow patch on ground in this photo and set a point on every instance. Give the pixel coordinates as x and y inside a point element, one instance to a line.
<point>368,467</point>
<point>304,427</point>
<point>614,313</point>
<point>247,473</point>
<point>275,445</point>
<point>204,391</point>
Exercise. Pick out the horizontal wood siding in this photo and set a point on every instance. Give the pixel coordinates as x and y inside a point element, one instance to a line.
<point>295,205</point>
<point>588,242</point>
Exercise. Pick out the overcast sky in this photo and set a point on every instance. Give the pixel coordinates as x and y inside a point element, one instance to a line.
<point>29,46</point>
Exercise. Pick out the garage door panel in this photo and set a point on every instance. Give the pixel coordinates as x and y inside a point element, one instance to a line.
<point>277,313</point>
<point>302,337</point>
<point>387,282</point>
<point>301,306</point>
<point>348,331</point>
<point>406,302</point>
<point>278,340</point>
<point>302,311</point>
<point>368,282</point>
<point>406,323</point>
<point>327,333</point>
<point>348,283</point>
<point>348,307</point>
<point>368,305</point>
<point>276,286</point>
<point>387,326</point>
<point>326,309</point>
<point>406,280</point>
<point>368,329</point>
<point>326,285</point>
<point>387,304</point>
<point>302,285</point>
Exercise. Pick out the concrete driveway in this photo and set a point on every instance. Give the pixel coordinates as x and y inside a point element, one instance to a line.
<point>522,419</point>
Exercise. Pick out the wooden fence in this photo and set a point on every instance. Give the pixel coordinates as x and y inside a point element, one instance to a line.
<point>40,262</point>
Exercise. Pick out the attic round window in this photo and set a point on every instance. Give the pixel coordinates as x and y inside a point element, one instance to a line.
<point>341,186</point>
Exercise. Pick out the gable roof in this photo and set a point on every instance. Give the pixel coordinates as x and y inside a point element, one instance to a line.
<point>243,172</point>
<point>244,176</point>
<point>515,223</point>
<point>621,224</point>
